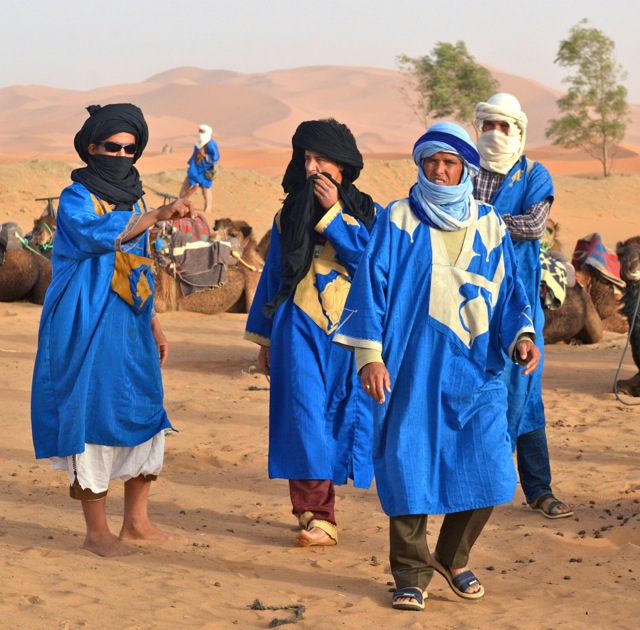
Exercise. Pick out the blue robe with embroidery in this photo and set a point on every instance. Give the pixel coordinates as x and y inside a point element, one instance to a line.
<point>319,418</point>
<point>523,187</point>
<point>97,375</point>
<point>440,438</point>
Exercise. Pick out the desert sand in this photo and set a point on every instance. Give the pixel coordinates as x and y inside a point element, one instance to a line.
<point>232,526</point>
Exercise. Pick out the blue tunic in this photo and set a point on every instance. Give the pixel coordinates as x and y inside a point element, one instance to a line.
<point>525,185</point>
<point>196,170</point>
<point>440,438</point>
<point>97,375</point>
<point>319,418</point>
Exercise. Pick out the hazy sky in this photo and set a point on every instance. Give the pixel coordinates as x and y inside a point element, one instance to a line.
<point>82,44</point>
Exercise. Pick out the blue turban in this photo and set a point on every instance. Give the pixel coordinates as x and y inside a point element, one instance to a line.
<point>449,137</point>
<point>444,207</point>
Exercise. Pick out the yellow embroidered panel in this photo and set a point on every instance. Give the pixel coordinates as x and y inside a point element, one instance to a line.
<point>322,293</point>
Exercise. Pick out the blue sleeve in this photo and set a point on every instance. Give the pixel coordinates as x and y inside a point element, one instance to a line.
<point>539,186</point>
<point>347,235</point>
<point>516,317</point>
<point>258,326</point>
<point>82,233</point>
<point>212,151</point>
<point>363,316</point>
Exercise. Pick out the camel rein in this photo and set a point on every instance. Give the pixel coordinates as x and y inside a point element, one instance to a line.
<point>25,244</point>
<point>626,347</point>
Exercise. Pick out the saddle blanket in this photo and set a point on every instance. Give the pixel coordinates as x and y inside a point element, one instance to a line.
<point>590,250</point>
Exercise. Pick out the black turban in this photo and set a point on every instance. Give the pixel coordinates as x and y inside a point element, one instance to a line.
<point>104,122</point>
<point>328,138</point>
<point>300,210</point>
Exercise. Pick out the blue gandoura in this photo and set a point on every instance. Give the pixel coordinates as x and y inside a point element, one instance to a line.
<point>319,418</point>
<point>97,380</point>
<point>436,298</point>
<point>522,192</point>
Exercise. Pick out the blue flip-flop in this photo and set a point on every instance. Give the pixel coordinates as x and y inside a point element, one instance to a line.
<point>460,583</point>
<point>415,594</point>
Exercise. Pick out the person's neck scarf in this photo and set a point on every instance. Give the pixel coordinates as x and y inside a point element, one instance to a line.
<point>442,207</point>
<point>112,178</point>
<point>298,218</point>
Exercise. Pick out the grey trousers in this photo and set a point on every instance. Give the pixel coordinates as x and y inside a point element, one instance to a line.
<point>411,563</point>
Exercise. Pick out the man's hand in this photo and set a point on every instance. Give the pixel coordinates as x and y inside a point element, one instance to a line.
<point>375,381</point>
<point>325,191</point>
<point>161,341</point>
<point>264,360</point>
<point>527,355</point>
<point>182,207</point>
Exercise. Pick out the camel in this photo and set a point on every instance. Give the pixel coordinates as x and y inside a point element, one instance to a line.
<point>628,253</point>
<point>42,235</point>
<point>262,248</point>
<point>593,298</point>
<point>576,321</point>
<point>236,295</point>
<point>24,274</point>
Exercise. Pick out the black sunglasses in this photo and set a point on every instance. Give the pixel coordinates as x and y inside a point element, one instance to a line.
<point>115,147</point>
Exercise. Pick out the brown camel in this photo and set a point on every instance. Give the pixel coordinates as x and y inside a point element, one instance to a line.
<point>629,256</point>
<point>236,295</point>
<point>24,275</point>
<point>262,248</point>
<point>575,321</point>
<point>42,236</point>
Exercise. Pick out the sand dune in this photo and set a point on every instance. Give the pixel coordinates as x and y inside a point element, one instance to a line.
<point>252,111</point>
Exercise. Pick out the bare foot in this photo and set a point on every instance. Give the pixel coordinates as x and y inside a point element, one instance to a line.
<point>143,531</point>
<point>315,537</point>
<point>108,546</point>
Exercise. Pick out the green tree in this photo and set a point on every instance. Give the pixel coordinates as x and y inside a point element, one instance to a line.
<point>448,82</point>
<point>595,106</point>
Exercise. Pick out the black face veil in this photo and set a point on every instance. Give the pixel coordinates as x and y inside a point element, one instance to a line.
<point>299,213</point>
<point>120,186</point>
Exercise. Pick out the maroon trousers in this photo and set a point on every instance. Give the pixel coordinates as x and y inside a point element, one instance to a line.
<point>313,495</point>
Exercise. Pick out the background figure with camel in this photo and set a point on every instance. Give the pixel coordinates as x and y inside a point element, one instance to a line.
<point>202,166</point>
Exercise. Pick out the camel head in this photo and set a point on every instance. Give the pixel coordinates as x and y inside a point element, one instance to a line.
<point>225,229</point>
<point>549,240</point>
<point>44,229</point>
<point>629,255</point>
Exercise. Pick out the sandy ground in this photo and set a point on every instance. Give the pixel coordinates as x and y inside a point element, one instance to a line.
<point>234,532</point>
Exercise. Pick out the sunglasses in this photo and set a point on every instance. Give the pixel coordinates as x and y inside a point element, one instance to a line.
<point>116,147</point>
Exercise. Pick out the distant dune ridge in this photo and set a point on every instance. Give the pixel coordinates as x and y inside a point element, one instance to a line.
<point>251,112</point>
<point>253,118</point>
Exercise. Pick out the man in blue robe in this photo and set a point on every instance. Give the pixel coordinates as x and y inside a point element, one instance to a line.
<point>202,166</point>
<point>522,192</point>
<point>319,418</point>
<point>97,398</point>
<point>434,311</point>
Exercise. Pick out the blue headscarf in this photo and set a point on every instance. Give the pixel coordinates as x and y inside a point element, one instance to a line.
<point>444,207</point>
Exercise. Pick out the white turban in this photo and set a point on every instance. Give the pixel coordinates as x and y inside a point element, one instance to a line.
<point>498,152</point>
<point>204,136</point>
